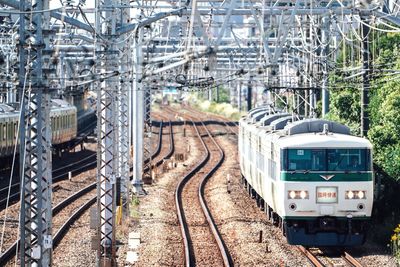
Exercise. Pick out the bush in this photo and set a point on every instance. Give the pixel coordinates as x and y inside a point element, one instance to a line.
<point>224,109</point>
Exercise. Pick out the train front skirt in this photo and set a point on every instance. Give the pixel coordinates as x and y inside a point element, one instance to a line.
<point>340,233</point>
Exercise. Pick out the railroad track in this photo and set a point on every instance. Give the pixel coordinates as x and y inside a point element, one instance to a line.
<point>63,229</point>
<point>171,149</point>
<point>347,259</point>
<point>221,119</point>
<point>59,174</point>
<point>159,147</point>
<point>11,251</point>
<point>199,239</point>
<point>62,173</point>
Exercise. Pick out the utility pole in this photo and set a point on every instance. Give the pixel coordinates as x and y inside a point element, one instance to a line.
<point>124,152</point>
<point>107,148</point>
<point>36,239</point>
<point>365,86</point>
<point>138,115</point>
<point>324,57</point>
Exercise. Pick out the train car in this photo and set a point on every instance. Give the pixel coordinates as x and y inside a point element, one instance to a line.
<point>8,129</point>
<point>63,125</point>
<point>311,177</point>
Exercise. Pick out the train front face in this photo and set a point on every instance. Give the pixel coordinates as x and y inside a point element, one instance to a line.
<point>328,191</point>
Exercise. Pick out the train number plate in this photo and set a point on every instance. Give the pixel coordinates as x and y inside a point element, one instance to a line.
<point>327,194</point>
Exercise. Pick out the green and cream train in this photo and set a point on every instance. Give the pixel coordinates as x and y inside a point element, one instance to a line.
<point>311,177</point>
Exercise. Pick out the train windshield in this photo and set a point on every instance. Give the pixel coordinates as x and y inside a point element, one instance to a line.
<point>346,160</point>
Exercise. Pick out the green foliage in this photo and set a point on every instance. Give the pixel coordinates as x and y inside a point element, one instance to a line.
<point>347,105</point>
<point>345,108</point>
<point>223,95</point>
<point>384,104</point>
<point>384,107</point>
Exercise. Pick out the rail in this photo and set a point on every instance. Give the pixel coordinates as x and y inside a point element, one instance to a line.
<point>350,260</point>
<point>11,251</point>
<point>189,253</point>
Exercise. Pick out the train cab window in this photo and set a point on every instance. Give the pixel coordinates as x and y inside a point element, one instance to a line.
<point>348,160</point>
<point>306,160</point>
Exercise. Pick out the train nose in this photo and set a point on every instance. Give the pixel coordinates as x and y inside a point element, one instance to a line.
<point>326,223</point>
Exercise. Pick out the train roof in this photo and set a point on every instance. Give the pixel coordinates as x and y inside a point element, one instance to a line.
<point>11,110</point>
<point>59,103</point>
<point>290,124</point>
<point>308,133</point>
<point>4,108</point>
<point>319,140</point>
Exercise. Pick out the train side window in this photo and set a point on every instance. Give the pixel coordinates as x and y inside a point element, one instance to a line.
<point>9,129</point>
<point>269,168</point>
<point>12,130</point>
<point>4,131</point>
<point>273,170</point>
<point>15,129</point>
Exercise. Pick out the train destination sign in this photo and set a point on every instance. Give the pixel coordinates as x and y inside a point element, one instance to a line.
<point>326,194</point>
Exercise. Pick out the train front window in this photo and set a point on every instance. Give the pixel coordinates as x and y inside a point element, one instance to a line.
<point>347,159</point>
<point>306,159</point>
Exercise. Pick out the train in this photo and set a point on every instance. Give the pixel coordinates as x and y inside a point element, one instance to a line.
<point>69,126</point>
<point>311,177</point>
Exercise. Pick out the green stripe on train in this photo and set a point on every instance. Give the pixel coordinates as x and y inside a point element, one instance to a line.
<point>316,177</point>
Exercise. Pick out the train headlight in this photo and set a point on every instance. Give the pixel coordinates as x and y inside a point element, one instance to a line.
<point>303,194</point>
<point>294,194</point>
<point>356,194</point>
<point>349,194</point>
